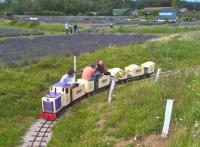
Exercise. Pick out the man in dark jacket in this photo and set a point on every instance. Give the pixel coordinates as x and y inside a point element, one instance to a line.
<point>75,28</point>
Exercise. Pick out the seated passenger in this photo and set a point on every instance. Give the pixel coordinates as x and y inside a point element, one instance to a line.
<point>89,73</point>
<point>69,78</point>
<point>100,68</point>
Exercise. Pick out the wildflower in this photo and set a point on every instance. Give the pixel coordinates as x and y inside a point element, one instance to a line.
<point>180,119</point>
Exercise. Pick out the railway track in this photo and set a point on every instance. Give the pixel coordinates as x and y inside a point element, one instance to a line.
<point>40,133</point>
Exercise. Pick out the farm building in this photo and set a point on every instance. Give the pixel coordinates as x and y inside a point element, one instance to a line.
<point>164,13</point>
<point>121,12</point>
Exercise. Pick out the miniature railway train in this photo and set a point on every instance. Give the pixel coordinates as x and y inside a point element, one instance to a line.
<point>61,94</point>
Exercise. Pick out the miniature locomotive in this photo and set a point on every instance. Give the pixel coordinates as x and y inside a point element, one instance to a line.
<point>61,94</point>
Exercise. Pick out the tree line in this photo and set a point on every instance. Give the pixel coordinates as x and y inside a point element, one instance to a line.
<point>84,7</point>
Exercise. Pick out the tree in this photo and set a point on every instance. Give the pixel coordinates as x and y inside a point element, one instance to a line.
<point>74,7</point>
<point>155,13</point>
<point>20,6</point>
<point>175,4</point>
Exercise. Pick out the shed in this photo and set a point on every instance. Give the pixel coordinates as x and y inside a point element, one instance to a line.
<point>120,12</point>
<point>167,15</point>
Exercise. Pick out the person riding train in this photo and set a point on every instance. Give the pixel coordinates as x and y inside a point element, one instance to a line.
<point>94,72</point>
<point>100,68</point>
<point>89,72</point>
<point>69,78</point>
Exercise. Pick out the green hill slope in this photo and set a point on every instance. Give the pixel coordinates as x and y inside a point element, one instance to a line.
<point>22,87</point>
<point>137,111</point>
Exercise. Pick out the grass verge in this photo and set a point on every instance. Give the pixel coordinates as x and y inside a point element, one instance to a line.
<point>48,29</point>
<point>156,29</point>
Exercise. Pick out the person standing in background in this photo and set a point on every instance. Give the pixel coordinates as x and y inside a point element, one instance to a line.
<point>71,28</point>
<point>75,28</point>
<point>66,28</point>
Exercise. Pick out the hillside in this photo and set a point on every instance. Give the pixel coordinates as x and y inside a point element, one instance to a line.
<point>135,106</point>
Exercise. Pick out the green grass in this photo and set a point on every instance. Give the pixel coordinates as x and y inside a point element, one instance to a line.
<point>132,113</point>
<point>156,29</point>
<point>44,27</point>
<point>22,87</point>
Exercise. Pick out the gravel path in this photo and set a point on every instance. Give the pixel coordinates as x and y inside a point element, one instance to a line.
<point>18,50</point>
<point>39,134</point>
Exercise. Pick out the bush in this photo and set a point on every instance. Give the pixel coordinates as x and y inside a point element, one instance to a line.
<point>80,14</point>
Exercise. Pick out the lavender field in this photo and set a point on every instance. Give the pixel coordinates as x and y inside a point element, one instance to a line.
<point>18,50</point>
<point>4,32</point>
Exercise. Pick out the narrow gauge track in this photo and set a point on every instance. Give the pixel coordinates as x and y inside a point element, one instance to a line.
<point>41,134</point>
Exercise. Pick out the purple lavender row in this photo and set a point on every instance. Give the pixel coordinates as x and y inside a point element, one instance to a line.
<point>25,49</point>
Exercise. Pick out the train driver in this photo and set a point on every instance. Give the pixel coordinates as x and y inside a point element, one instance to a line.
<point>69,78</point>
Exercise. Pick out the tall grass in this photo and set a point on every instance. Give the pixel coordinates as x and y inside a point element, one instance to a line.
<point>22,87</point>
<point>156,29</point>
<point>46,28</point>
<point>137,110</point>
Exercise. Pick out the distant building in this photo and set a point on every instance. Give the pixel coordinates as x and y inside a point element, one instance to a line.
<point>183,10</point>
<point>165,13</point>
<point>149,10</point>
<point>134,13</point>
<point>121,12</point>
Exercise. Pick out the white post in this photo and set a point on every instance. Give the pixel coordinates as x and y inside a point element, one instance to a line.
<point>158,74</point>
<point>112,86</point>
<point>168,112</point>
<point>75,67</point>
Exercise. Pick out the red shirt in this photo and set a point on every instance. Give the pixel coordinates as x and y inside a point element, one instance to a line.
<point>88,72</point>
